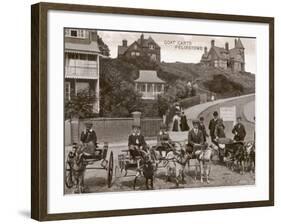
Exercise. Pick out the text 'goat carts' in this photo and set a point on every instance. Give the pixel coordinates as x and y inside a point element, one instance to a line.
<point>79,160</point>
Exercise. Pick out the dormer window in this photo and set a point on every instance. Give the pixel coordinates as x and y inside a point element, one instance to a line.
<point>75,33</point>
<point>151,46</point>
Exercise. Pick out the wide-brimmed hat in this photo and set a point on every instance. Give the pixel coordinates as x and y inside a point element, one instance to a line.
<point>75,145</point>
<point>89,124</point>
<point>136,126</point>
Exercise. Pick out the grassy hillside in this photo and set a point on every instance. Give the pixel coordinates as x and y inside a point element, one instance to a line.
<point>223,83</point>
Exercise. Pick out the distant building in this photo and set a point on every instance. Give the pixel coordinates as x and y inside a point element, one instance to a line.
<point>82,63</point>
<point>149,84</point>
<point>141,47</point>
<point>225,58</point>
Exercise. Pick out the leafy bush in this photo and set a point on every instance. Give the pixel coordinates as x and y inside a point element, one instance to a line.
<point>222,85</point>
<point>80,105</point>
<point>118,97</point>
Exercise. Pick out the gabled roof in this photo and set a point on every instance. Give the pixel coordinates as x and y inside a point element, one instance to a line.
<point>239,44</point>
<point>234,53</point>
<point>205,55</point>
<point>122,50</point>
<point>147,41</point>
<point>220,52</point>
<point>82,48</point>
<point>149,76</point>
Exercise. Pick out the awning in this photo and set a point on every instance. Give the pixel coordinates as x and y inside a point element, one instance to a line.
<point>80,77</point>
<point>91,48</point>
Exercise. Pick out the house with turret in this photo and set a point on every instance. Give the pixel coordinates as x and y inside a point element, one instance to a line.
<point>225,58</point>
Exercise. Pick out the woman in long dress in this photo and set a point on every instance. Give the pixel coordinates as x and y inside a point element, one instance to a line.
<point>176,122</point>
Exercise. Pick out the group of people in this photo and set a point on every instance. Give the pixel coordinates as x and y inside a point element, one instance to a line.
<point>180,122</point>
<point>198,135</point>
<point>217,129</point>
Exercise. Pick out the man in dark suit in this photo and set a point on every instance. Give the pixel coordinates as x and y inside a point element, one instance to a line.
<point>136,143</point>
<point>195,138</point>
<point>239,130</point>
<point>89,139</point>
<point>212,126</point>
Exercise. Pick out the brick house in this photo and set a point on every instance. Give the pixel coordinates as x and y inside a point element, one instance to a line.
<point>81,53</point>
<point>225,58</point>
<point>141,47</point>
<point>149,84</point>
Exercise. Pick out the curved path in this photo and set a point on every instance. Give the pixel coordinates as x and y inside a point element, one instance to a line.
<point>243,104</point>
<point>194,112</point>
<point>249,111</point>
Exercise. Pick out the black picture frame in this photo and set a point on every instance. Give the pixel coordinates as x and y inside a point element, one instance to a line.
<point>39,107</point>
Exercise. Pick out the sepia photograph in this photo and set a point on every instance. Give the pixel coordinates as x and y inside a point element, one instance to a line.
<point>151,111</point>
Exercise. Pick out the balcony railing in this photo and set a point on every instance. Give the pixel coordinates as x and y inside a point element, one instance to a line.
<point>81,72</point>
<point>150,95</point>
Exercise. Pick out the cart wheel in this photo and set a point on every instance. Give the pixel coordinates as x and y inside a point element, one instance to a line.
<point>110,170</point>
<point>68,177</point>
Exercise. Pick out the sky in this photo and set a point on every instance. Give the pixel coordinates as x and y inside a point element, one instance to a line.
<point>181,47</point>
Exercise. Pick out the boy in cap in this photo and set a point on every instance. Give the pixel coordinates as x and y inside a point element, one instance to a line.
<point>163,139</point>
<point>239,130</point>
<point>219,130</point>
<point>89,139</point>
<point>136,143</point>
<point>195,138</point>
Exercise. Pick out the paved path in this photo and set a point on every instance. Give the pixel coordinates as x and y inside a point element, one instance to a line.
<point>249,111</point>
<point>194,112</point>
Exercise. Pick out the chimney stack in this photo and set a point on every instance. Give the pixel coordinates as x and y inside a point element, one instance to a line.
<point>141,39</point>
<point>93,35</point>
<point>227,46</point>
<point>125,43</point>
<point>212,43</point>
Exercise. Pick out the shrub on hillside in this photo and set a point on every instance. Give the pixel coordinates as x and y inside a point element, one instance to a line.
<point>222,85</point>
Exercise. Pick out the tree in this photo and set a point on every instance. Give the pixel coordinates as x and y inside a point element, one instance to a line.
<point>103,47</point>
<point>80,105</point>
<point>163,104</point>
<point>118,96</point>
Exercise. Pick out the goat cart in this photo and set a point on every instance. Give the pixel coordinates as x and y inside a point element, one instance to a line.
<point>167,156</point>
<point>142,165</point>
<point>156,154</point>
<point>162,152</point>
<point>241,153</point>
<point>79,160</point>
